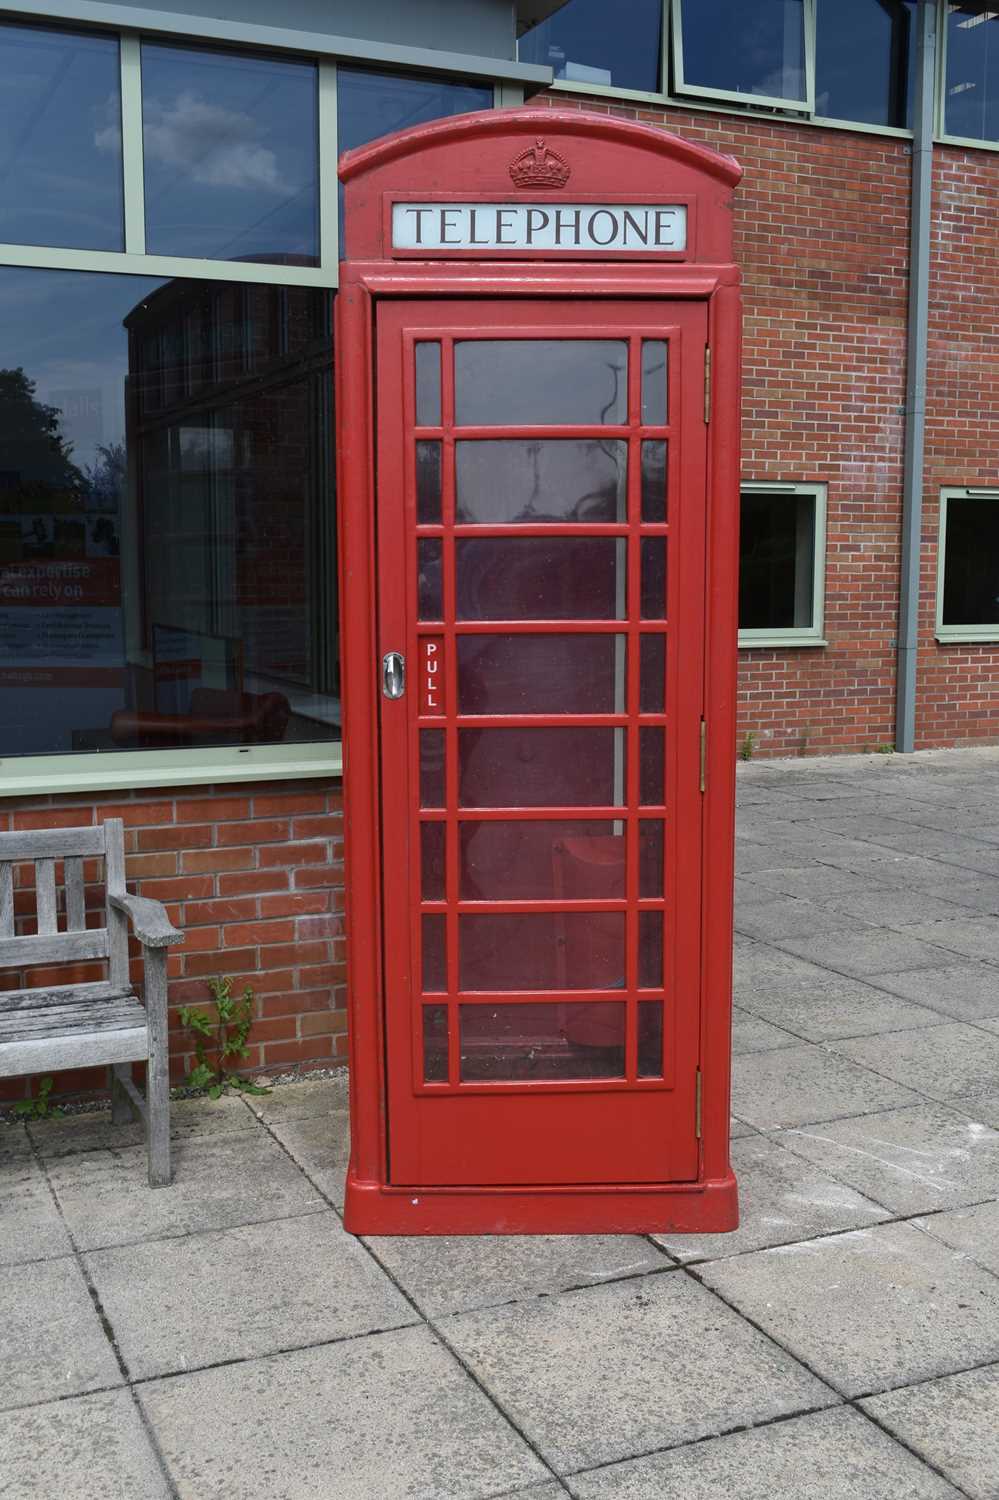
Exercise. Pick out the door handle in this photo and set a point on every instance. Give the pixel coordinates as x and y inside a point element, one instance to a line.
<point>393,674</point>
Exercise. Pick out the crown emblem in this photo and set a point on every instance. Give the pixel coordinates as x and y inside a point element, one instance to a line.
<point>539,166</point>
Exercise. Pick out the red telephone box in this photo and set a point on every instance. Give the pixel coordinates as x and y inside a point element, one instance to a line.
<point>538,419</point>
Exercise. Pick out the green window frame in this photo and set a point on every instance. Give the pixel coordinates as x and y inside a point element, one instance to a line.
<point>810,568</point>
<point>954,633</point>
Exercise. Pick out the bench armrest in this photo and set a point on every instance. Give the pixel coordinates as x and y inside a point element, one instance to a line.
<point>149,920</point>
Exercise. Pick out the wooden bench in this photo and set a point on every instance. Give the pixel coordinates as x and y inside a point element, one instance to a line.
<point>102,1022</point>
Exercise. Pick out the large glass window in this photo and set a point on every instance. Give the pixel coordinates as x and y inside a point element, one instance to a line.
<point>968,586</point>
<point>588,42</point>
<point>166,521</point>
<point>230,148</point>
<point>865,60</point>
<point>753,48</point>
<point>971,103</point>
<point>781,562</point>
<point>60,139</point>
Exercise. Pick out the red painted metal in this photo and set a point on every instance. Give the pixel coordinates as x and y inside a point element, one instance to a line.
<point>433,1152</point>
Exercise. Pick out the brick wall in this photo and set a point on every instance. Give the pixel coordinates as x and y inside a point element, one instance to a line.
<point>254,877</point>
<point>821,233</point>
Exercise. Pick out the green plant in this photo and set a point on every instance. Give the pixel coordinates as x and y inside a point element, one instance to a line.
<point>747,746</point>
<point>224,1034</point>
<point>39,1108</point>
<point>886,750</point>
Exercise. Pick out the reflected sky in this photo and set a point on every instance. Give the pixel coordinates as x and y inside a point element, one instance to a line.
<point>60,140</point>
<point>587,42</point>
<point>747,49</point>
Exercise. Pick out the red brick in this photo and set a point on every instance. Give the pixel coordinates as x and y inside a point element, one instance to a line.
<point>258,933</point>
<point>230,909</point>
<point>245,882</point>
<point>217,859</point>
<point>290,855</point>
<point>258,831</point>
<point>286,804</point>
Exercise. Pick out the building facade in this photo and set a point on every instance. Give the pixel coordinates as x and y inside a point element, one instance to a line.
<point>169,237</point>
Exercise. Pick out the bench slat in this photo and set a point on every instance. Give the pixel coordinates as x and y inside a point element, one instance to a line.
<point>45,896</point>
<point>54,842</point>
<point>77,1050</point>
<point>76,916</point>
<point>63,994</point>
<point>59,1020</point>
<point>59,948</point>
<point>6,900</point>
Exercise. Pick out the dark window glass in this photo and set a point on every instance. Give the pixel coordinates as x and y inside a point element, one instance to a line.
<point>552,950</point>
<point>752,47</point>
<point>864,60</point>
<point>541,674</point>
<point>166,565</point>
<point>373,104</point>
<point>972,90</point>
<point>435,1044</point>
<point>542,1040</point>
<point>776,562</point>
<point>230,146</point>
<point>60,140</point>
<point>539,481</point>
<point>650,1039</point>
<point>535,578</point>
<point>524,860</point>
<point>588,41</point>
<point>971,562</point>
<point>540,382</point>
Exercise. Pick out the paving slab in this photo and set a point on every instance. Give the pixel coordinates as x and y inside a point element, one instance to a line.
<point>31,1227</point>
<point>282,1285</point>
<point>943,1061</point>
<point>758,966</point>
<point>595,1376</point>
<point>914,1160</point>
<point>965,991</point>
<point>971,935</point>
<point>301,1101</point>
<point>737,1129</point>
<point>823,1455</point>
<point>975,1231</point>
<point>834,1007</point>
<point>752,1034</point>
<point>51,1340</point>
<point>867,950</point>
<point>392,1416</point>
<point>321,1147</point>
<point>789,916</point>
<point>897,909</point>
<point>455,1273</point>
<point>951,1423</point>
<point>94,1131</point>
<point>801,1085</point>
<point>218,1181</point>
<point>814,882</point>
<point>14,1140</point>
<point>978,894</point>
<point>870,1309</point>
<point>981,1107</point>
<point>780,1201</point>
<point>78,1449</point>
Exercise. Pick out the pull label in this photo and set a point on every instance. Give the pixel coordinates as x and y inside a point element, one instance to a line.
<point>432,675</point>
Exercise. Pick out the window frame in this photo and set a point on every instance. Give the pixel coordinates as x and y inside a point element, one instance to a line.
<point>954,634</point>
<point>980,143</point>
<point>764,101</point>
<point>796,635</point>
<point>97,771</point>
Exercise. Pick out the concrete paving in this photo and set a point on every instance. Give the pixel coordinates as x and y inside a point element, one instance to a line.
<point>226,1338</point>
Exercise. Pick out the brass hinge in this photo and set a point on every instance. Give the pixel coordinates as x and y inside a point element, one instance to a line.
<point>704,754</point>
<point>707,382</point>
<point>697,1105</point>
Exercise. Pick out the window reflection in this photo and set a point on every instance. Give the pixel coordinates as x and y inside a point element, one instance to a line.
<point>583,44</point>
<point>230,149</point>
<point>166,544</point>
<point>60,139</point>
<point>972,90</point>
<point>865,60</point>
<point>745,47</point>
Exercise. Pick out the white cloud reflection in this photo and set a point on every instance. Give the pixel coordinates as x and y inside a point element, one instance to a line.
<point>213,146</point>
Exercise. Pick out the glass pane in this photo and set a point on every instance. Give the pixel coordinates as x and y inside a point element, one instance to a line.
<point>230,145</point>
<point>654,481</point>
<point>428,482</point>
<point>542,951</point>
<point>650,1038</point>
<point>776,561</point>
<point>654,578</point>
<point>435,1044</point>
<point>432,861</point>
<point>651,875</point>
<point>654,411</point>
<point>525,860</point>
<point>584,43</point>
<point>538,481</point>
<point>865,55</point>
<point>652,767</point>
<point>971,596</point>
<point>542,1041</point>
<point>427,360</point>
<point>431,767</point>
<point>652,675</point>
<point>972,93</point>
<point>538,382</point>
<point>541,767</point>
<point>429,583</point>
<point>650,950</point>
<point>60,140</point>
<point>541,674</point>
<point>550,578</point>
<point>233,624</point>
<point>434,929</point>
<point>745,48</point>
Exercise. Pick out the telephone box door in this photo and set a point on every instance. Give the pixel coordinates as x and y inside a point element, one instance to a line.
<point>541,595</point>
